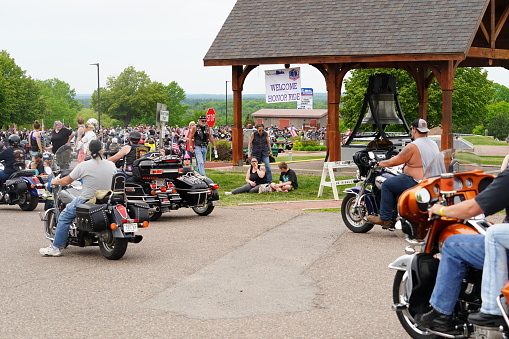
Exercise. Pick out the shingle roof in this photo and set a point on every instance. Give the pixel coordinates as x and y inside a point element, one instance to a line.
<point>303,28</point>
<point>290,113</point>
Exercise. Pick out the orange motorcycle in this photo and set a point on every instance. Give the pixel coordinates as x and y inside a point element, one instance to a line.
<point>417,269</point>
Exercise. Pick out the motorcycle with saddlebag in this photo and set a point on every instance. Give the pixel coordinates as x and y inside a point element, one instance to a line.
<point>23,187</point>
<point>165,184</point>
<point>417,269</point>
<point>110,222</point>
<point>364,198</point>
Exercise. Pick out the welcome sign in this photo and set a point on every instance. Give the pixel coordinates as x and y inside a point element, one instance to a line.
<point>282,85</point>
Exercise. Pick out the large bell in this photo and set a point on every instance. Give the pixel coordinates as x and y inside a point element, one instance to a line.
<point>385,110</point>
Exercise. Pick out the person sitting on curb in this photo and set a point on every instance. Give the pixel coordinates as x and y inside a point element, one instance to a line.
<point>287,179</point>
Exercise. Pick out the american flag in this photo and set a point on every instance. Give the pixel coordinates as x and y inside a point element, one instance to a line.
<point>175,146</point>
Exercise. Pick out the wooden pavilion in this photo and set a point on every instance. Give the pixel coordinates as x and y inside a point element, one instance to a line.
<point>427,38</point>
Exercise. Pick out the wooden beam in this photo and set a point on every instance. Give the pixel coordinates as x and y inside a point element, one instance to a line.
<point>488,53</point>
<point>501,22</point>
<point>484,32</point>
<point>387,58</point>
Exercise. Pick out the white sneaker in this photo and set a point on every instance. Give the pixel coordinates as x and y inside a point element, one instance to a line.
<point>227,193</point>
<point>50,251</point>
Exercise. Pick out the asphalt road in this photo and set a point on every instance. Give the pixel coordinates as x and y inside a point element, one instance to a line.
<point>240,272</point>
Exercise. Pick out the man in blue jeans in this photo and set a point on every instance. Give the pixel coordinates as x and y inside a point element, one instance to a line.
<point>97,174</point>
<point>200,136</point>
<point>418,158</point>
<point>460,251</point>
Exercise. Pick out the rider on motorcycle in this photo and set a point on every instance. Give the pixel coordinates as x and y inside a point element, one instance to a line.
<point>416,156</point>
<point>96,175</point>
<point>12,155</point>
<point>131,152</point>
<point>460,251</point>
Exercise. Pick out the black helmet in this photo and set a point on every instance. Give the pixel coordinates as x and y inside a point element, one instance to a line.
<point>14,140</point>
<point>135,136</point>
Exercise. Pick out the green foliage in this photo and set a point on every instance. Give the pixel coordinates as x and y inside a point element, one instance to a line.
<point>131,97</point>
<point>471,96</point>
<point>224,150</point>
<point>175,96</point>
<point>20,99</point>
<point>501,93</point>
<point>61,102</point>
<point>498,126</point>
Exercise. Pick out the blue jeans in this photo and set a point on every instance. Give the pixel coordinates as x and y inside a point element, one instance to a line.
<point>495,273</point>
<point>64,221</point>
<point>201,156</point>
<point>266,162</point>
<point>458,252</point>
<point>391,190</point>
<point>4,176</point>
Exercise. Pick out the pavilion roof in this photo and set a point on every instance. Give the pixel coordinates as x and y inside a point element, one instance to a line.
<point>316,31</point>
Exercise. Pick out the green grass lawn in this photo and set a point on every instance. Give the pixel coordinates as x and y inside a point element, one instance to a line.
<point>308,189</point>
<point>484,141</point>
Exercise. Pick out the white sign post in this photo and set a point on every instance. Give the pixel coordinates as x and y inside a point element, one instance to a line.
<point>282,85</point>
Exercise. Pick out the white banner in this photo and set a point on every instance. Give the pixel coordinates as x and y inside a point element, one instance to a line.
<point>282,85</point>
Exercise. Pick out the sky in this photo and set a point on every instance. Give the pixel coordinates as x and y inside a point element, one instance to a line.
<point>167,39</point>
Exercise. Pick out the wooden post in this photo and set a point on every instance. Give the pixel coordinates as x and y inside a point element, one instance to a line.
<point>237,131</point>
<point>447,84</point>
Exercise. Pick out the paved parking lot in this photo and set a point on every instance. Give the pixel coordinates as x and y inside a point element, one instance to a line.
<point>241,272</point>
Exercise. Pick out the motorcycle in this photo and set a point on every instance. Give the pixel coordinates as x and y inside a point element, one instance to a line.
<point>416,270</point>
<point>364,199</point>
<point>110,223</point>
<point>23,188</point>
<point>164,184</point>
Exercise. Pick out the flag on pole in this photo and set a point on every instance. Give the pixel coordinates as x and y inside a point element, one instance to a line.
<point>42,125</point>
<point>15,128</point>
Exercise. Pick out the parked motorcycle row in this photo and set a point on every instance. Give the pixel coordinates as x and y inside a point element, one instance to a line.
<point>416,270</point>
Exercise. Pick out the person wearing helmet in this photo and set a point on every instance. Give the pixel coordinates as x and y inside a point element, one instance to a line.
<point>13,157</point>
<point>131,152</point>
<point>200,136</point>
<point>96,174</point>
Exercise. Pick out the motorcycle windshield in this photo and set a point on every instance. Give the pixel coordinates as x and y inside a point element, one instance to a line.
<point>458,161</point>
<point>62,158</point>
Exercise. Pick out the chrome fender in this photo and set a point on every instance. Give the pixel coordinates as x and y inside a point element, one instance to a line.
<point>356,190</point>
<point>404,263</point>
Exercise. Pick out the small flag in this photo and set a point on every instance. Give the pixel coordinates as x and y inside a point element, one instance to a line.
<point>175,146</point>
<point>15,128</point>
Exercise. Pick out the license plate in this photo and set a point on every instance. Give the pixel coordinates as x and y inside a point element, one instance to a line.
<point>40,191</point>
<point>131,227</point>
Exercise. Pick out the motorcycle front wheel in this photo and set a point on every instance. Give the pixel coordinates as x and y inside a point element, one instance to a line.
<point>50,224</point>
<point>405,316</point>
<point>355,217</point>
<point>112,248</point>
<point>28,202</point>
<point>203,210</point>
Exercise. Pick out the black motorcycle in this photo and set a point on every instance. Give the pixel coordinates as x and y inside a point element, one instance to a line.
<point>110,223</point>
<point>165,184</point>
<point>22,188</point>
<point>364,199</point>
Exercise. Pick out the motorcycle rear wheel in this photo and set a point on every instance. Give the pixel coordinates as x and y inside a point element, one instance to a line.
<point>153,215</point>
<point>28,202</point>
<point>354,218</point>
<point>203,210</point>
<point>113,248</point>
<point>405,317</point>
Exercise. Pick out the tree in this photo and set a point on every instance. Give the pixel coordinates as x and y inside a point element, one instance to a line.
<point>471,96</point>
<point>501,93</point>
<point>175,95</point>
<point>20,100</point>
<point>61,101</point>
<point>131,96</point>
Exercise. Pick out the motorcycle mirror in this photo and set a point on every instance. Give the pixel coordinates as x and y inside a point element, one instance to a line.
<point>422,196</point>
